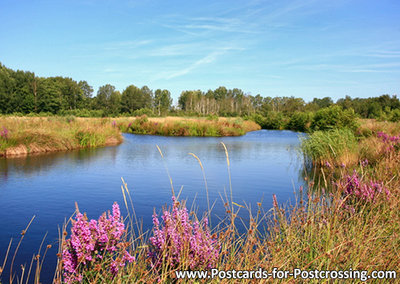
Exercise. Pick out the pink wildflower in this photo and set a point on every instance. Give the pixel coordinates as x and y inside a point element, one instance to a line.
<point>93,240</point>
<point>181,241</point>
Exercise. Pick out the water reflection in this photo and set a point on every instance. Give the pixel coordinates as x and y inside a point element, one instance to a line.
<point>36,164</point>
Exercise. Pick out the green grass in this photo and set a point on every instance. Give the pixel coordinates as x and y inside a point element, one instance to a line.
<point>335,146</point>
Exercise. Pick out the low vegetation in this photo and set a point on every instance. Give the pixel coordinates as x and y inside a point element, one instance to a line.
<point>175,126</point>
<point>23,135</point>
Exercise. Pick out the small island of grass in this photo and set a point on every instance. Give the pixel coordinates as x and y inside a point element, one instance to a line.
<point>34,135</point>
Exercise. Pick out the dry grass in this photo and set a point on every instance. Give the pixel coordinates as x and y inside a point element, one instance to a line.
<point>180,126</point>
<point>30,135</point>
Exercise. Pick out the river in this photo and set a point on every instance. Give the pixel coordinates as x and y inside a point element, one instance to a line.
<point>262,163</point>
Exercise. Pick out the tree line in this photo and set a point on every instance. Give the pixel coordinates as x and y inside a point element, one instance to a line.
<point>24,92</point>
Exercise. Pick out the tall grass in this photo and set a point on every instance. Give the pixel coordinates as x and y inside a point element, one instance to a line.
<point>337,146</point>
<point>188,127</point>
<point>37,134</point>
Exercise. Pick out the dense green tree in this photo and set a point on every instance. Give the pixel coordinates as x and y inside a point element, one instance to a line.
<point>324,102</point>
<point>162,101</point>
<point>134,98</point>
<point>102,100</point>
<point>49,95</point>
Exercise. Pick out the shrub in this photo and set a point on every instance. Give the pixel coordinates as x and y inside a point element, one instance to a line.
<point>212,117</point>
<point>82,113</point>
<point>143,111</point>
<point>395,115</point>
<point>275,120</point>
<point>300,121</point>
<point>334,117</point>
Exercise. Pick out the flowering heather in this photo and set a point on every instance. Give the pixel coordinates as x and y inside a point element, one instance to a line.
<point>364,163</point>
<point>358,189</point>
<point>4,133</point>
<point>181,242</point>
<point>392,142</point>
<point>92,242</point>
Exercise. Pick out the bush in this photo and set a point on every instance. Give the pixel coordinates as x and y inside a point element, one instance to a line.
<point>395,115</point>
<point>275,120</point>
<point>143,111</point>
<point>212,117</point>
<point>334,117</point>
<point>300,121</point>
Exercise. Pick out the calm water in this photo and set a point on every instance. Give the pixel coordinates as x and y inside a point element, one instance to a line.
<point>262,163</point>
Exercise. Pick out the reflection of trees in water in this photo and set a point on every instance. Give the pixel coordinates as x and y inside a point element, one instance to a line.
<point>34,164</point>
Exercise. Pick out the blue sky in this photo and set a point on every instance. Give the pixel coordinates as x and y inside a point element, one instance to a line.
<point>310,48</point>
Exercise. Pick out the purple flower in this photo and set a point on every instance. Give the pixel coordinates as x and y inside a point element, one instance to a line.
<point>91,242</point>
<point>391,142</point>
<point>364,163</point>
<point>181,241</point>
<point>4,133</point>
<point>357,189</point>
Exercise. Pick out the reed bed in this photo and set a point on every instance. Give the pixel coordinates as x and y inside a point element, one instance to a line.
<point>349,222</point>
<point>173,126</point>
<point>30,135</point>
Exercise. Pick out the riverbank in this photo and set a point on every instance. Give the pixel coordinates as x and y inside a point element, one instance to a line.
<point>21,136</point>
<point>186,126</point>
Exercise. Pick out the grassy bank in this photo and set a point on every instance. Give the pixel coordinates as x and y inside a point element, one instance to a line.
<point>181,126</point>
<point>345,147</point>
<point>23,136</point>
<point>34,135</point>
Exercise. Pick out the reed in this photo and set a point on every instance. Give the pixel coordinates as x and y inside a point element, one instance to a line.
<point>23,135</point>
<point>337,146</point>
<point>188,126</point>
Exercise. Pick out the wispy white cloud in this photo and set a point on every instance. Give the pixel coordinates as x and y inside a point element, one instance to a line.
<point>205,60</point>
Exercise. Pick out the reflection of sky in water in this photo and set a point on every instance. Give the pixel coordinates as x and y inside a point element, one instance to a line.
<point>262,163</point>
